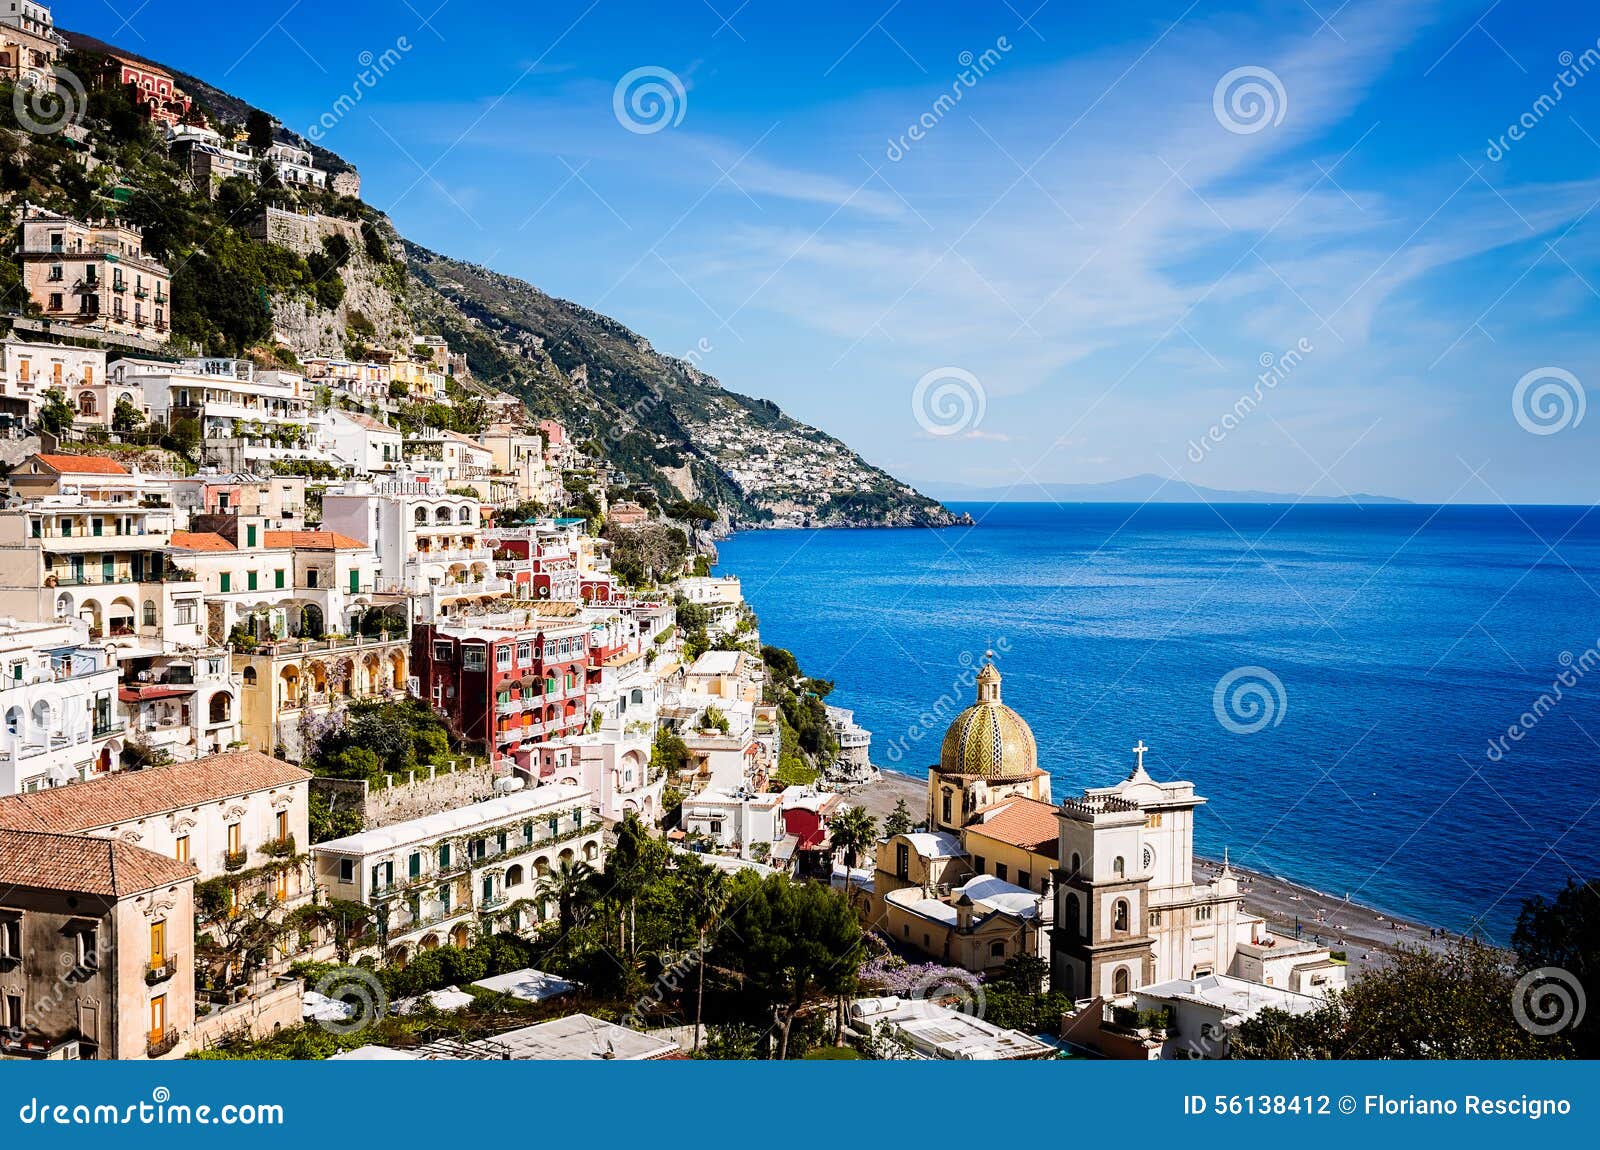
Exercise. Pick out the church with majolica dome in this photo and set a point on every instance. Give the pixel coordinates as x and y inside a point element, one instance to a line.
<point>988,755</point>
<point>1100,885</point>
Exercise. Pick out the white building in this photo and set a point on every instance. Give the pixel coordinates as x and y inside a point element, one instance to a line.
<point>366,445</point>
<point>917,1028</point>
<point>29,368</point>
<point>1201,1013</point>
<point>59,697</point>
<point>1130,911</point>
<point>448,877</point>
<point>426,539</point>
<point>739,820</point>
<point>246,416</point>
<point>616,768</point>
<point>221,812</point>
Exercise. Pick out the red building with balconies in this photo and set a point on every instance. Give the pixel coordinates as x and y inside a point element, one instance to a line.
<point>507,681</point>
<point>161,99</point>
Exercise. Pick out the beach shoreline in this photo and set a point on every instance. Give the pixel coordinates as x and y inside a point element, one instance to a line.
<point>1368,935</point>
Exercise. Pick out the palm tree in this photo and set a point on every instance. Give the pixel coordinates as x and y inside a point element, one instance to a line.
<point>854,832</point>
<point>705,891</point>
<point>571,880</point>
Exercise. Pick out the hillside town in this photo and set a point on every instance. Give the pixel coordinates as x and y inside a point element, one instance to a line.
<point>354,711</point>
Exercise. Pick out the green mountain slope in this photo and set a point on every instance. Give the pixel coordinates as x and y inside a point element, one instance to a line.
<point>657,420</point>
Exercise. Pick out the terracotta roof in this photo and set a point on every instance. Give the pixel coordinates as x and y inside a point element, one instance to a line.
<point>146,694</point>
<point>83,464</point>
<point>128,795</point>
<point>201,541</point>
<point>1026,823</point>
<point>85,865</point>
<point>312,540</point>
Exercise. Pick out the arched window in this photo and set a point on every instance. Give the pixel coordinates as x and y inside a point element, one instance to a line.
<point>221,707</point>
<point>1119,914</point>
<point>249,676</point>
<point>514,876</point>
<point>1069,915</point>
<point>421,516</point>
<point>1118,867</point>
<point>14,721</point>
<point>1149,859</point>
<point>946,806</point>
<point>1119,981</point>
<point>1077,866</point>
<point>442,515</point>
<point>149,612</point>
<point>464,515</point>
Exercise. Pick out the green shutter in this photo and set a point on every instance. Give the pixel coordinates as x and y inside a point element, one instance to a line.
<point>250,536</point>
<point>277,577</point>
<point>250,580</point>
<point>355,582</point>
<point>227,581</point>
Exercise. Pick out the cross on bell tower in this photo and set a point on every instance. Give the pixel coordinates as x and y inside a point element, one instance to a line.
<point>1139,749</point>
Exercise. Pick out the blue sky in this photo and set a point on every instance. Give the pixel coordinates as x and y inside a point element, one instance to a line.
<point>1094,241</point>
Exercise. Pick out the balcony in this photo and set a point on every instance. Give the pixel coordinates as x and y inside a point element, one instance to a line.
<point>235,860</point>
<point>160,970</point>
<point>159,1044</point>
<point>494,901</point>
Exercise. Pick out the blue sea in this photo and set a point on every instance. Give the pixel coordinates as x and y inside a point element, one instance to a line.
<point>1341,683</point>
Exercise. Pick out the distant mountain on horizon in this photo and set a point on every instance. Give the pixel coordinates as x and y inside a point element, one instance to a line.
<point>1134,489</point>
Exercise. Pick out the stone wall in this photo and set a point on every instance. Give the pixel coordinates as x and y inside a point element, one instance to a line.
<point>257,1016</point>
<point>302,234</point>
<point>424,793</point>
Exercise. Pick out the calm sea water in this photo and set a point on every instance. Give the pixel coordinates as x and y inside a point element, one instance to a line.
<point>1405,639</point>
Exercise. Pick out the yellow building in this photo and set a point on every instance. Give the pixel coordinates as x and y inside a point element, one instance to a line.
<point>973,890</point>
<point>287,683</point>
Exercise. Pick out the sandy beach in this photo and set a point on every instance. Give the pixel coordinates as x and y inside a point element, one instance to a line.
<point>1368,936</point>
